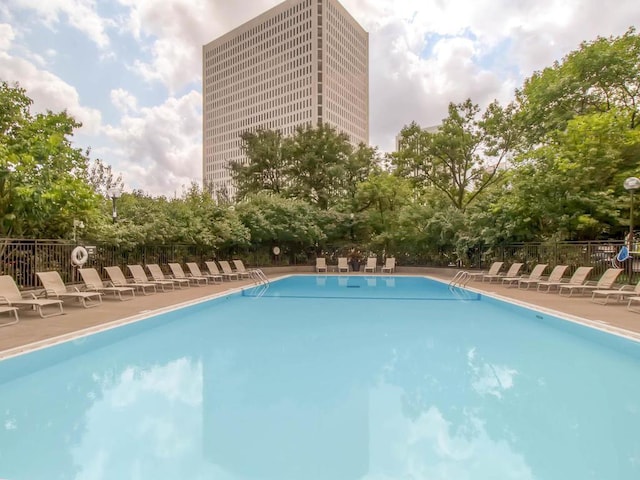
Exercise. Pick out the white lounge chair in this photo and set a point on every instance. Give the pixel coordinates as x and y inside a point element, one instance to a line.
<point>493,270</point>
<point>536,274</point>
<point>321,264</point>
<point>371,264</point>
<point>632,301</point>
<point>54,287</point>
<point>240,270</point>
<point>554,277</point>
<point>178,273</point>
<point>226,269</point>
<point>139,276</point>
<point>93,283</point>
<point>119,280</point>
<point>607,279</point>
<point>158,275</point>
<point>11,310</point>
<point>513,271</point>
<point>194,271</point>
<point>343,264</point>
<point>11,296</point>
<point>622,293</point>
<point>578,278</point>
<point>389,265</point>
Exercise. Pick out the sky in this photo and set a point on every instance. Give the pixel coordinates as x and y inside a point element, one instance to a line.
<point>131,70</point>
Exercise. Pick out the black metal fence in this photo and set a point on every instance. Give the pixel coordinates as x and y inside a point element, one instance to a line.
<point>598,254</point>
<point>23,258</point>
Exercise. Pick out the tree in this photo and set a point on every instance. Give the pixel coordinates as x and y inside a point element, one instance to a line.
<point>464,156</point>
<point>380,198</point>
<point>318,161</point>
<point>570,188</point>
<point>101,177</point>
<point>292,224</point>
<point>42,177</point>
<point>267,163</point>
<point>599,76</point>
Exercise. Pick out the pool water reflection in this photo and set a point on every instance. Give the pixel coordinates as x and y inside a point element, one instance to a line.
<point>283,387</point>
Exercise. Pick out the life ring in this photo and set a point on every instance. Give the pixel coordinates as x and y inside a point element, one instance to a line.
<point>79,256</point>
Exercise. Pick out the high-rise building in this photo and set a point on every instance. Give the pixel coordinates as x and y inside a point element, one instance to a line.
<point>301,62</point>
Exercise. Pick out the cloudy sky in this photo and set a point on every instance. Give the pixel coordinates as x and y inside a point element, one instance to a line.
<point>130,70</point>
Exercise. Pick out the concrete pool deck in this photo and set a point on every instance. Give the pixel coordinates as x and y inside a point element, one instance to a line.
<point>32,329</point>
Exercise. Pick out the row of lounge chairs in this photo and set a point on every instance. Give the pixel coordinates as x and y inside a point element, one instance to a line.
<point>602,291</point>
<point>371,265</point>
<point>50,300</point>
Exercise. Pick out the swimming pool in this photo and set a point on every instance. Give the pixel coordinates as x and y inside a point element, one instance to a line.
<point>275,383</point>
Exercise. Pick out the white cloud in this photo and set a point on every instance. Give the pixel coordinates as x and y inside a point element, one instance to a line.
<point>430,445</point>
<point>47,91</point>
<point>123,100</point>
<point>178,31</point>
<point>159,149</point>
<point>406,86</point>
<point>81,14</point>
<point>6,37</point>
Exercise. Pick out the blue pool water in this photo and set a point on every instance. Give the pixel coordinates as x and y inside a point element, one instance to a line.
<point>276,384</point>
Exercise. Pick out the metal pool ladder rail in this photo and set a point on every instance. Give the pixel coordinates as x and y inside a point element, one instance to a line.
<point>259,276</point>
<point>460,279</point>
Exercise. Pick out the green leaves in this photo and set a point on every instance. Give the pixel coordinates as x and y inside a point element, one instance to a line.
<point>317,165</point>
<point>463,156</point>
<point>42,187</point>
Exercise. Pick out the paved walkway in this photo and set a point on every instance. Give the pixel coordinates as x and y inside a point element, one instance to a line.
<point>32,328</point>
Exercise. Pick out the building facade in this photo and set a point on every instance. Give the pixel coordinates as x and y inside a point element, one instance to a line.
<point>301,62</point>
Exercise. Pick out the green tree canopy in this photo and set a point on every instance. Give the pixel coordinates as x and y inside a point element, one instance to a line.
<point>464,156</point>
<point>42,177</point>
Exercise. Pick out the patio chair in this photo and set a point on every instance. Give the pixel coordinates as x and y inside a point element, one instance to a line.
<point>158,275</point>
<point>555,277</point>
<point>623,293</point>
<point>178,273</point>
<point>513,271</point>
<point>54,287</point>
<point>343,265</point>
<point>389,265</point>
<point>371,264</point>
<point>630,305</point>
<point>93,283</point>
<point>607,279</point>
<point>10,310</point>
<point>240,270</point>
<point>321,264</point>
<point>194,271</point>
<point>493,270</point>
<point>228,273</point>
<point>578,278</point>
<point>227,270</point>
<point>11,296</point>
<point>140,277</point>
<point>118,279</point>
<point>536,274</point>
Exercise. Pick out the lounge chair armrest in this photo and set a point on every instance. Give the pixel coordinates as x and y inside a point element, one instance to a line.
<point>591,282</point>
<point>3,300</point>
<point>29,295</point>
<point>625,288</point>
